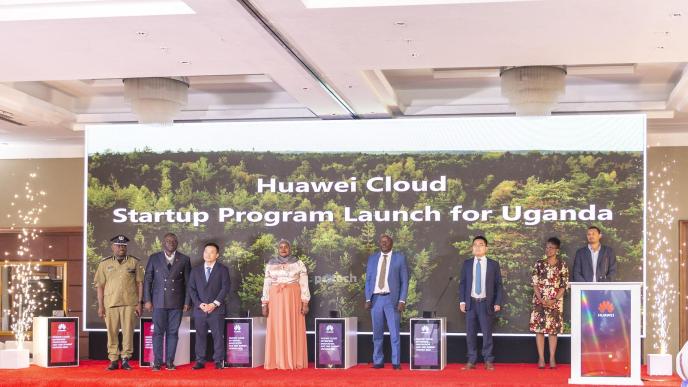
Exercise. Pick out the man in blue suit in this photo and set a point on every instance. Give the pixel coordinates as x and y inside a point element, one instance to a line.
<point>480,297</point>
<point>594,262</point>
<point>208,286</point>
<point>386,287</point>
<point>164,291</point>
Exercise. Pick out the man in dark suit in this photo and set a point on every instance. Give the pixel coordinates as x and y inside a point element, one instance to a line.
<point>480,297</point>
<point>208,286</point>
<point>386,287</point>
<point>164,292</point>
<point>594,262</point>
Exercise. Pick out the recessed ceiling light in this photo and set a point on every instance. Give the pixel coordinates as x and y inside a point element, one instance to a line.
<point>14,10</point>
<point>391,3</point>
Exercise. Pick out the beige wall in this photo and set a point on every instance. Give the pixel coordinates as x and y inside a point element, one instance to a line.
<point>678,198</point>
<point>62,179</point>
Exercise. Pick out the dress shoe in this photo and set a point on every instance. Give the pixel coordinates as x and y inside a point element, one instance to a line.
<point>198,366</point>
<point>552,365</point>
<point>469,366</point>
<point>125,365</point>
<point>378,366</point>
<point>489,366</point>
<point>113,366</point>
<point>541,364</point>
<point>219,365</point>
<point>155,367</point>
<point>170,367</point>
<point>396,366</point>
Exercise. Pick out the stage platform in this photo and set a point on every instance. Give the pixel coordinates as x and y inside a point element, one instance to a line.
<point>92,373</point>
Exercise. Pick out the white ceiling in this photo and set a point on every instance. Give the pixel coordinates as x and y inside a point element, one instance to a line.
<point>392,61</point>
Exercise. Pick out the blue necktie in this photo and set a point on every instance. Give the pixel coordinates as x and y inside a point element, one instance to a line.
<point>207,274</point>
<point>478,278</point>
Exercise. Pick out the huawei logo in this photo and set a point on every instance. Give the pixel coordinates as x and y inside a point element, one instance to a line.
<point>62,328</point>
<point>605,307</point>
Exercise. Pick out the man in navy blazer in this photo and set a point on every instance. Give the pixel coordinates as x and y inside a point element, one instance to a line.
<point>480,297</point>
<point>594,262</point>
<point>208,286</point>
<point>164,291</point>
<point>386,288</point>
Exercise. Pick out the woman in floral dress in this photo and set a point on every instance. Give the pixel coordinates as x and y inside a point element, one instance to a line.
<point>550,280</point>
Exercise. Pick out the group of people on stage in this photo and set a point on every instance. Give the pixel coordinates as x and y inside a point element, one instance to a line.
<point>169,286</point>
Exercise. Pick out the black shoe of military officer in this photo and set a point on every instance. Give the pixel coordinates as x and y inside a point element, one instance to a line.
<point>156,367</point>
<point>125,365</point>
<point>171,366</point>
<point>113,365</point>
<point>219,365</point>
<point>198,366</point>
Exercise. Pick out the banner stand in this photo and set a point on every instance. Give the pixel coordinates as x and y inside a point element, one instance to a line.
<point>605,333</point>
<point>428,343</point>
<point>56,341</point>
<point>245,341</point>
<point>336,342</point>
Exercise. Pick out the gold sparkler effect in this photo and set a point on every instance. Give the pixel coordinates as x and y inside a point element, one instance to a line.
<point>24,303</point>
<point>661,216</point>
<point>25,297</point>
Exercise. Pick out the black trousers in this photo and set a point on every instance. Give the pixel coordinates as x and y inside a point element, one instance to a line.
<point>479,317</point>
<point>216,322</point>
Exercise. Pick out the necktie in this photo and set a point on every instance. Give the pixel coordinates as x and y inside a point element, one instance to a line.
<point>207,274</point>
<point>169,265</point>
<point>383,273</point>
<point>478,277</point>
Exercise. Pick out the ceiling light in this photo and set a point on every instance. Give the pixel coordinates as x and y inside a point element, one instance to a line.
<point>533,90</point>
<point>14,10</point>
<point>156,100</point>
<point>391,3</point>
<point>485,72</point>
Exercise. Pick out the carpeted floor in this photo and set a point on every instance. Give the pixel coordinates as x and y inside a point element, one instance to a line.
<point>92,373</point>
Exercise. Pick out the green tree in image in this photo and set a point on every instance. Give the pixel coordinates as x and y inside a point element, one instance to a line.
<point>336,252</point>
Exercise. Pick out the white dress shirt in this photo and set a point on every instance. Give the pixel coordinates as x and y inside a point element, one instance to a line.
<point>169,258</point>
<point>384,289</point>
<point>205,269</point>
<point>595,255</point>
<point>483,271</point>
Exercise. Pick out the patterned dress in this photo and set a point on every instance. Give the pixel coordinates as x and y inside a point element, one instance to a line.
<point>548,279</point>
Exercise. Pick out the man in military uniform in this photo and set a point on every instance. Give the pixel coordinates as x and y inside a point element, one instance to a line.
<point>119,281</point>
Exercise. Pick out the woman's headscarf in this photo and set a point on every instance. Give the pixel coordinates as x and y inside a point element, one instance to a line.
<point>279,260</point>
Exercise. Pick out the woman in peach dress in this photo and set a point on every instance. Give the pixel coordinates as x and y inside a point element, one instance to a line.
<point>285,304</point>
